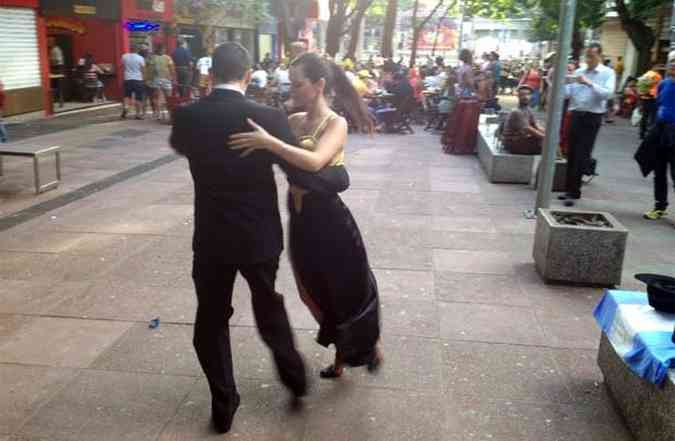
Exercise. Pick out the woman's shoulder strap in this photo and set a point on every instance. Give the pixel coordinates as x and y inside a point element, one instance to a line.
<point>320,128</point>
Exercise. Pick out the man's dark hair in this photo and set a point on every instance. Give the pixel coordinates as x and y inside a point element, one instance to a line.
<point>597,46</point>
<point>230,62</point>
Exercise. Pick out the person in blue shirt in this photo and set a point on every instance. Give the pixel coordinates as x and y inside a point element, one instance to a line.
<point>182,59</point>
<point>664,131</point>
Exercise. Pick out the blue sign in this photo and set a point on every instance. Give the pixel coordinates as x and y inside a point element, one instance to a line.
<point>142,26</point>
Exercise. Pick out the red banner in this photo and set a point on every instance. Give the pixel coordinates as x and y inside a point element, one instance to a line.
<point>445,38</point>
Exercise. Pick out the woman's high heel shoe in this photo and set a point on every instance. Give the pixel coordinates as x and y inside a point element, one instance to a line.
<point>331,372</point>
<point>375,364</point>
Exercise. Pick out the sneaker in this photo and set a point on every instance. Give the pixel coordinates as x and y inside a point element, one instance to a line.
<point>655,214</point>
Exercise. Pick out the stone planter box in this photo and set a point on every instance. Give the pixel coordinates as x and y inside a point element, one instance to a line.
<point>559,178</point>
<point>648,410</point>
<point>502,167</point>
<point>579,254</point>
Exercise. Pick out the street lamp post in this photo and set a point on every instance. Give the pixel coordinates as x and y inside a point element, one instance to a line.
<point>554,113</point>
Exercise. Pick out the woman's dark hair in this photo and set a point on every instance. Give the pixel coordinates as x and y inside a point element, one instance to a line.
<point>88,61</point>
<point>466,56</point>
<point>338,86</point>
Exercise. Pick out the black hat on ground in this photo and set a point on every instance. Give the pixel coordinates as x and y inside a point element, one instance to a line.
<point>660,290</point>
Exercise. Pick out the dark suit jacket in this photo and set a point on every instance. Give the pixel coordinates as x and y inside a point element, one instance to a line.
<point>236,209</point>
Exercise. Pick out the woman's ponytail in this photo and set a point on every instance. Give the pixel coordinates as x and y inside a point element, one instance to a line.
<point>349,99</point>
<point>339,87</point>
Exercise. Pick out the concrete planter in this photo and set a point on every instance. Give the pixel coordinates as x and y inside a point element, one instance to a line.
<point>579,254</point>
<point>502,167</point>
<point>559,178</point>
<point>647,409</point>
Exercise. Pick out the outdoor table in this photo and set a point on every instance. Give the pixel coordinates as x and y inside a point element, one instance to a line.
<point>636,358</point>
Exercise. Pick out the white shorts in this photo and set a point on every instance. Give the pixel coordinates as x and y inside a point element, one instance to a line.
<point>163,83</point>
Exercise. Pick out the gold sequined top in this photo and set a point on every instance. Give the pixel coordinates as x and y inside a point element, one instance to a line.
<point>309,142</point>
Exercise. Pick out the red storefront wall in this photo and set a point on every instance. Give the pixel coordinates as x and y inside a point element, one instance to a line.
<point>97,37</point>
<point>132,12</point>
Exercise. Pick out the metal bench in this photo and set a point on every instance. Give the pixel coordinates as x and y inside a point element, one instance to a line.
<point>31,151</point>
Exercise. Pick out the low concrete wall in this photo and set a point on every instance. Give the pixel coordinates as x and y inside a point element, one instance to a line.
<point>649,410</point>
<point>502,167</point>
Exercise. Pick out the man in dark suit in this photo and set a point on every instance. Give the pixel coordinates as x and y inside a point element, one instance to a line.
<point>237,227</point>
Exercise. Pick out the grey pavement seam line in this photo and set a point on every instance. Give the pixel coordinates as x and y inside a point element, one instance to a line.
<point>34,211</point>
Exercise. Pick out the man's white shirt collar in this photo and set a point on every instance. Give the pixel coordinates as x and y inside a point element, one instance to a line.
<point>232,87</point>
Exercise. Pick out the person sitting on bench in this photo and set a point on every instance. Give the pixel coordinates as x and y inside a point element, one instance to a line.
<point>520,134</point>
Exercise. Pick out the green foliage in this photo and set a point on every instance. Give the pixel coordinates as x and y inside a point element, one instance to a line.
<point>254,10</point>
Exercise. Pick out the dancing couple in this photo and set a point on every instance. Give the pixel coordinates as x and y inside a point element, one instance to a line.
<point>231,144</point>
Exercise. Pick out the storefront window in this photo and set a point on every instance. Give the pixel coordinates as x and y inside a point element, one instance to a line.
<point>151,5</point>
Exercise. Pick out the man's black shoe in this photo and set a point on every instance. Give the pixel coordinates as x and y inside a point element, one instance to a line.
<point>221,418</point>
<point>566,197</point>
<point>569,203</point>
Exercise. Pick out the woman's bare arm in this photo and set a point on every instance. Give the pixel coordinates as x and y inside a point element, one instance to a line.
<point>328,145</point>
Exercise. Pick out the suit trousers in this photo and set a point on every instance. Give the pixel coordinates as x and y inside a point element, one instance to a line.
<point>583,130</point>
<point>666,158</point>
<point>214,282</point>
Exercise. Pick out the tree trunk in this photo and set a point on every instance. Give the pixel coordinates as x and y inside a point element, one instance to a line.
<point>336,24</point>
<point>355,27</point>
<point>416,34</point>
<point>354,35</point>
<point>387,50</point>
<point>577,43</point>
<point>418,27</point>
<point>640,34</point>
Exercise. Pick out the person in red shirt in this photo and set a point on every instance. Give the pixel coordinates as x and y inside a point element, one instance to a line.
<point>3,130</point>
<point>532,78</point>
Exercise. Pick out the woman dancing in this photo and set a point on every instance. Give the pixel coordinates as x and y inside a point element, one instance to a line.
<point>327,251</point>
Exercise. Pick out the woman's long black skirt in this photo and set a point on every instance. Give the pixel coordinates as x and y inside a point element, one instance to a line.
<point>330,259</point>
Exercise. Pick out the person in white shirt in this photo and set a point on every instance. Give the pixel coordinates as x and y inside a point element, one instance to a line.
<point>204,65</point>
<point>282,79</point>
<point>588,90</point>
<point>55,54</point>
<point>133,66</point>
<point>259,77</point>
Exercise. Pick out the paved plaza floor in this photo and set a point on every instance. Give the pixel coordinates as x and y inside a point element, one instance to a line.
<point>476,346</point>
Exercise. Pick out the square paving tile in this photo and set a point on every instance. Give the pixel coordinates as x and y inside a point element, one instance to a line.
<point>23,389</point>
<point>112,246</point>
<point>131,301</point>
<point>585,380</point>
<point>477,262</point>
<point>61,342</point>
<point>479,288</point>
<point>463,224</point>
<point>28,297</point>
<point>262,416</point>
<point>500,371</point>
<point>51,267</point>
<point>569,329</point>
<point>404,202</point>
<point>151,219</point>
<point>410,363</point>
<point>100,405</point>
<point>415,285</point>
<point>410,317</point>
<point>455,187</point>
<point>164,350</point>
<point>490,323</point>
<point>356,414</point>
<point>483,419</point>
